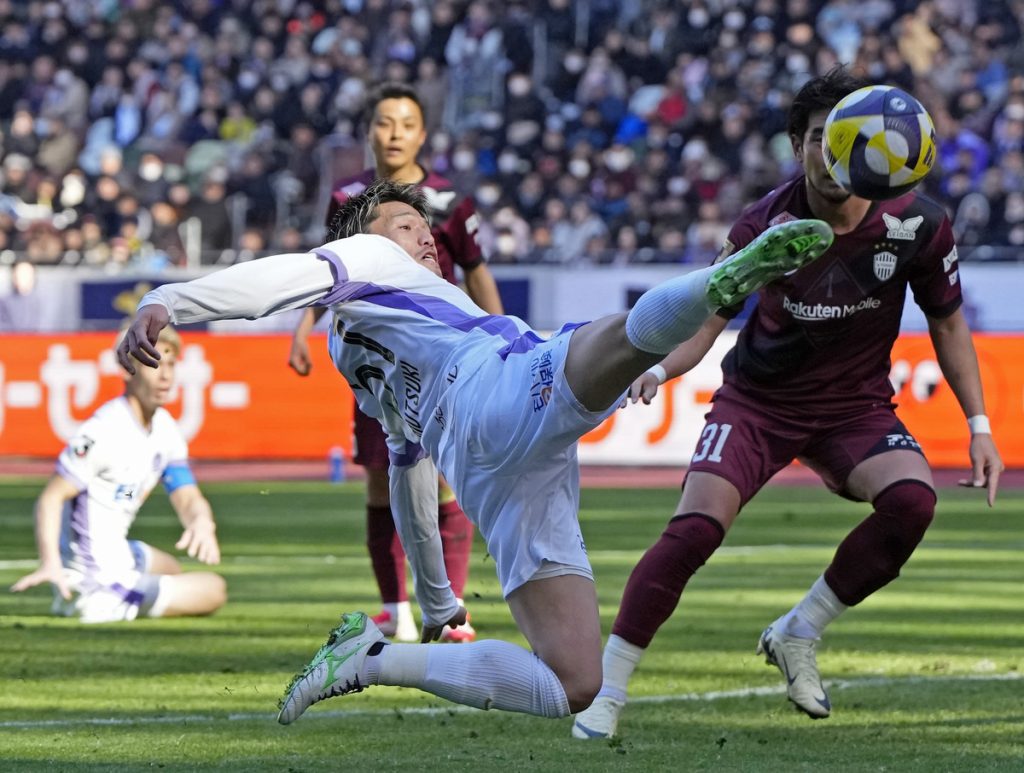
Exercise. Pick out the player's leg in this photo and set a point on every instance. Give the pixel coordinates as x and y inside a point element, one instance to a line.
<point>382,542</point>
<point>558,616</point>
<point>707,508</point>
<point>899,484</point>
<point>607,355</point>
<point>739,449</point>
<point>189,594</point>
<point>457,543</point>
<point>159,562</point>
<point>533,534</point>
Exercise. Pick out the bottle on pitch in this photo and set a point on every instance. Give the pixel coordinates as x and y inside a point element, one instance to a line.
<point>336,464</point>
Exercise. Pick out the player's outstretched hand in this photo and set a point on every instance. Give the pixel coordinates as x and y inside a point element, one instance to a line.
<point>298,358</point>
<point>433,632</point>
<point>644,388</point>
<point>199,541</point>
<point>140,340</point>
<point>986,465</point>
<point>45,573</point>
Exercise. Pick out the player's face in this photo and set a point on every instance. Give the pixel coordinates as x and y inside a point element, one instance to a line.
<point>396,134</point>
<point>808,153</point>
<point>406,227</point>
<point>152,386</point>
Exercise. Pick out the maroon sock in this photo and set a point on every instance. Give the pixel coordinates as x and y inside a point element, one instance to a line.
<point>873,553</point>
<point>386,554</point>
<point>457,542</point>
<point>656,583</point>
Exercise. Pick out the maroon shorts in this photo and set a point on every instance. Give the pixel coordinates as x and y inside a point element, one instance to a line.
<point>371,444</point>
<point>746,444</point>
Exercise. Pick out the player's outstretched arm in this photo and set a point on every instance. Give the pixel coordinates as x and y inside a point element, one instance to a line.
<point>958,361</point>
<point>414,506</point>
<point>299,359</point>
<point>49,509</point>
<point>244,291</point>
<point>199,539</point>
<point>679,361</point>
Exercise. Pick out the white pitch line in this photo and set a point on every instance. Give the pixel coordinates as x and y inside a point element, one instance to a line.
<point>433,711</point>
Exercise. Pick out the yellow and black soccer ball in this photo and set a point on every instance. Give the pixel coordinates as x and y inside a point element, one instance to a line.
<point>878,142</point>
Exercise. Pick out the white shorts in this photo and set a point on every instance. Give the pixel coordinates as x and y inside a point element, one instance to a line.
<point>511,459</point>
<point>110,595</point>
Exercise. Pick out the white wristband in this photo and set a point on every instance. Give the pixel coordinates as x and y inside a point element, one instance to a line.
<point>658,372</point>
<point>979,425</point>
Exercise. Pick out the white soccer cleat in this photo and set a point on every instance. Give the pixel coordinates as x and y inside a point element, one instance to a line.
<point>795,658</point>
<point>335,668</point>
<point>599,720</point>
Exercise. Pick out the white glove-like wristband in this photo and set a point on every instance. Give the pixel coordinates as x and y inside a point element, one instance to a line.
<point>979,425</point>
<point>658,372</point>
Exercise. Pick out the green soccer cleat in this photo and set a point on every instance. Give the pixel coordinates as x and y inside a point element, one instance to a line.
<point>778,251</point>
<point>335,668</point>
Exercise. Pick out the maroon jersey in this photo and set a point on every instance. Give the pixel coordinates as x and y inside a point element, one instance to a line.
<point>453,222</point>
<point>821,338</point>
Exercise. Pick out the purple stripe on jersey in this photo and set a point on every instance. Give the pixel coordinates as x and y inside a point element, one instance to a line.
<point>70,477</point>
<point>413,453</point>
<point>80,529</point>
<point>339,272</point>
<point>133,597</point>
<point>440,310</point>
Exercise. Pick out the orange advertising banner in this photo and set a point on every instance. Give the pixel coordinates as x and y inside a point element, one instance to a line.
<point>236,398</point>
<point>666,432</point>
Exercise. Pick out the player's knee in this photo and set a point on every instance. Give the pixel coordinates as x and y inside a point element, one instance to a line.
<point>581,690</point>
<point>216,592</point>
<point>910,507</point>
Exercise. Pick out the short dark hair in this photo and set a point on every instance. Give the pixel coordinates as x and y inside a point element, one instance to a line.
<point>393,90</point>
<point>356,214</point>
<point>821,93</point>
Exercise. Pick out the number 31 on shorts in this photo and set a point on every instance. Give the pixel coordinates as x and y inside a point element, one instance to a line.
<point>712,441</point>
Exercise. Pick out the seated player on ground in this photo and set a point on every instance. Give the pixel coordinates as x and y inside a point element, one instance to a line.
<point>86,509</point>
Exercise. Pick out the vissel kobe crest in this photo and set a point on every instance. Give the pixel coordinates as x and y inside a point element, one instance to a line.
<point>885,265</point>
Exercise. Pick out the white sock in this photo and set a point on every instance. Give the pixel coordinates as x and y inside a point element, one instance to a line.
<point>486,674</point>
<point>670,313</point>
<point>807,620</point>
<point>618,662</point>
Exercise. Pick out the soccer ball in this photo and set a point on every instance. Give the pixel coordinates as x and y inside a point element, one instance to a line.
<point>878,142</point>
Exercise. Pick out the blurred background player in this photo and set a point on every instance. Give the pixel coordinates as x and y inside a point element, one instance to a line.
<point>397,133</point>
<point>807,382</point>
<point>86,509</point>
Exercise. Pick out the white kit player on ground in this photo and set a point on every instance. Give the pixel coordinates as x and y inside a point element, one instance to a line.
<point>496,407</point>
<point>84,513</point>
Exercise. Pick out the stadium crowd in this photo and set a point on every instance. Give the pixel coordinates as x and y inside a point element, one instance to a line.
<point>139,133</point>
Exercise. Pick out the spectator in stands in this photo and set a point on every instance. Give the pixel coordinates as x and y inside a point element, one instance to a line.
<point>21,309</point>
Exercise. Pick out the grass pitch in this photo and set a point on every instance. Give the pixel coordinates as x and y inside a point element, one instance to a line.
<point>925,676</point>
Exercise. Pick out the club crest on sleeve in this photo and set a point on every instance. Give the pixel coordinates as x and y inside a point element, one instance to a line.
<point>902,229</point>
<point>80,446</point>
<point>885,265</point>
<point>949,260</point>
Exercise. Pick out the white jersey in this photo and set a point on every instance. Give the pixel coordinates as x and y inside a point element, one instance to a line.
<point>115,463</point>
<point>443,377</point>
